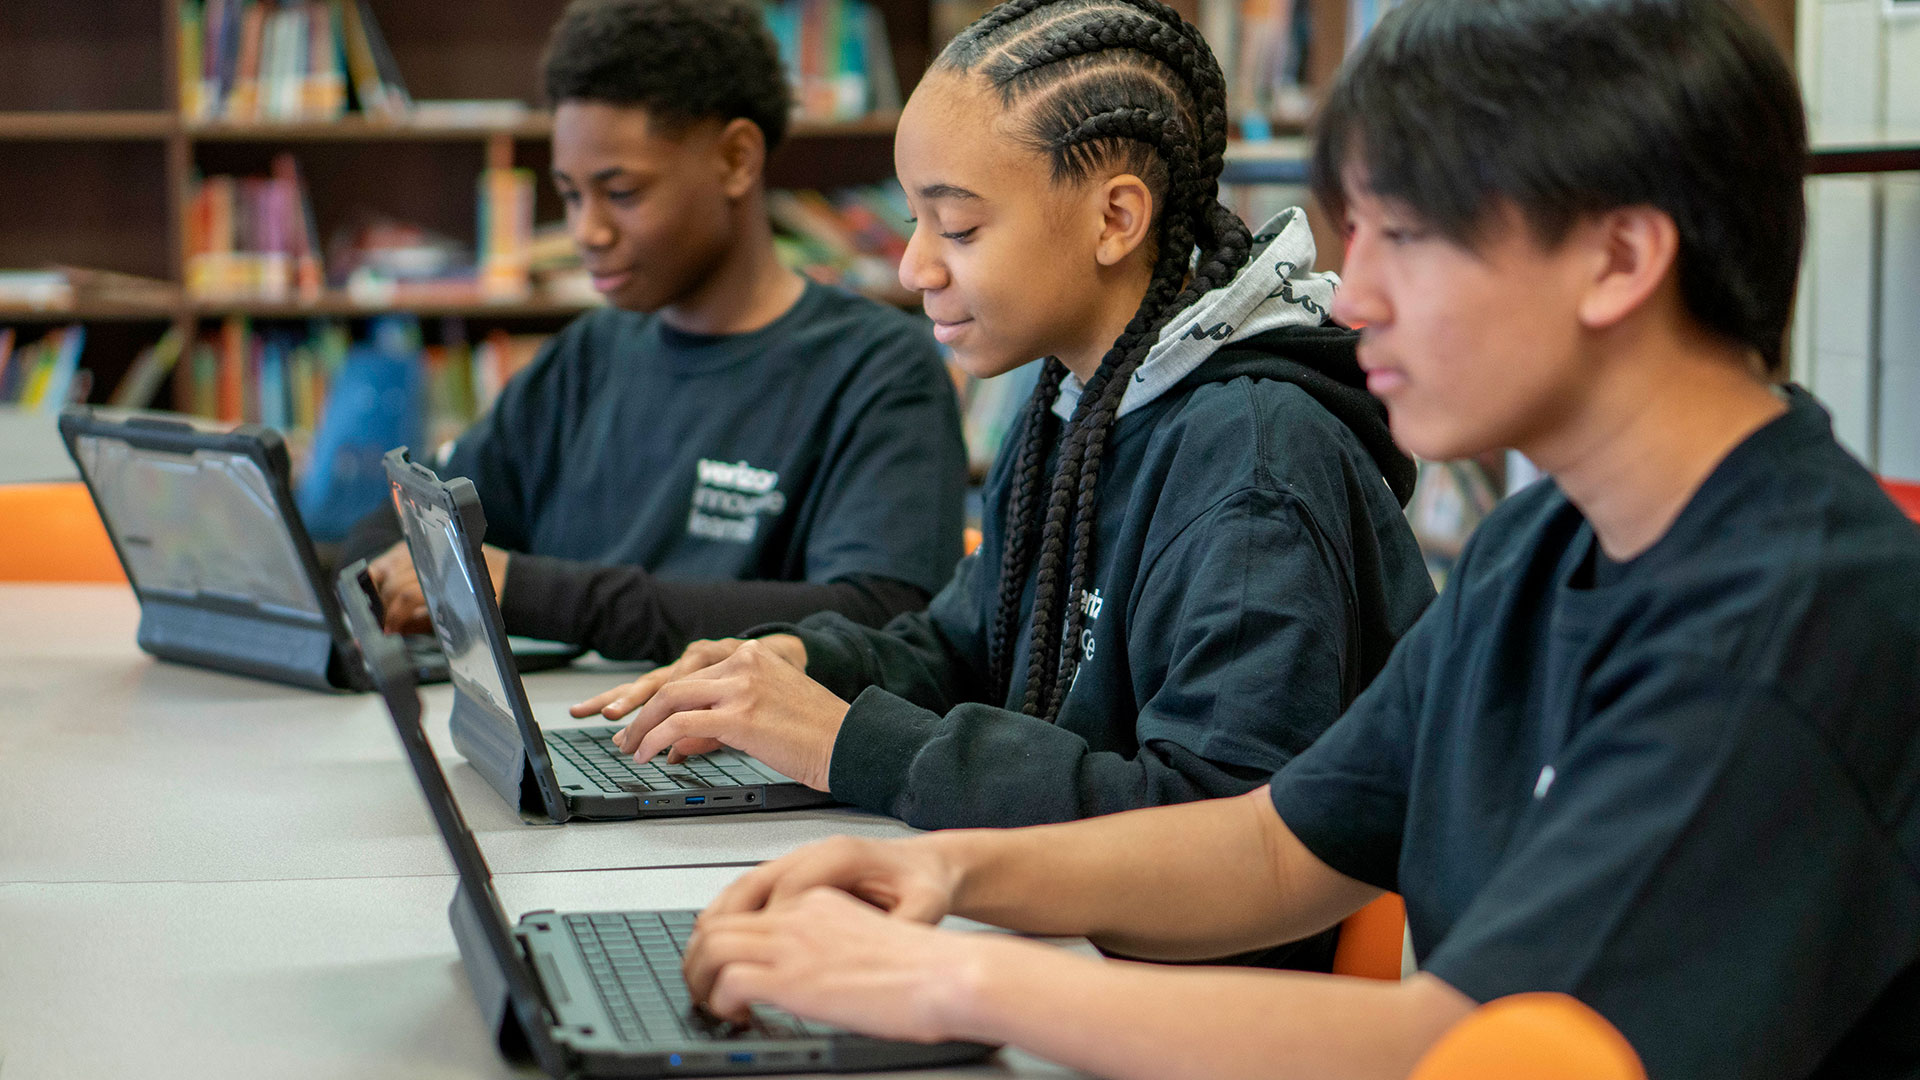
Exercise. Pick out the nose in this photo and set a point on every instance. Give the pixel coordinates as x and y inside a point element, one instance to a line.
<point>1360,299</point>
<point>590,224</point>
<point>920,271</point>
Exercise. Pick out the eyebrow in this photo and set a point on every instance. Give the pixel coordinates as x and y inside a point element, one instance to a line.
<point>601,177</point>
<point>949,191</point>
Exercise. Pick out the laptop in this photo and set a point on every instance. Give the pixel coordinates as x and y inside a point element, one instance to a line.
<point>598,993</point>
<point>204,523</point>
<point>564,772</point>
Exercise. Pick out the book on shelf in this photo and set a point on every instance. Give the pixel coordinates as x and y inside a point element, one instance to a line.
<point>44,374</point>
<point>148,372</point>
<point>282,61</point>
<point>838,57</point>
<point>283,375</point>
<point>505,233</point>
<point>253,237</point>
<point>1262,47</point>
<point>853,237</point>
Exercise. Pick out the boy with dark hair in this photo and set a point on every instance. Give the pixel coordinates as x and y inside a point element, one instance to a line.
<point>1658,743</point>
<point>728,443</point>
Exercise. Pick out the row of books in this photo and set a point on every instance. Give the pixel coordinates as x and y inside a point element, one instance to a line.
<point>853,237</point>
<point>253,237</point>
<point>45,373</point>
<point>283,376</point>
<point>838,57</point>
<point>245,61</point>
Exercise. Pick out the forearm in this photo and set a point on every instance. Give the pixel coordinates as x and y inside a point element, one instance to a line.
<point>626,613</point>
<point>1237,877</point>
<point>1124,1020</point>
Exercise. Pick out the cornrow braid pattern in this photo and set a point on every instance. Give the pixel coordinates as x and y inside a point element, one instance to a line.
<point>1098,83</point>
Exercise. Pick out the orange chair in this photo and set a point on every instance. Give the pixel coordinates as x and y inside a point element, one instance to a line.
<point>1531,1037</point>
<point>1372,940</point>
<point>50,532</point>
<point>1906,495</point>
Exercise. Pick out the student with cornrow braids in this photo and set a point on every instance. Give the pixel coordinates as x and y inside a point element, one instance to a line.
<point>1194,553</point>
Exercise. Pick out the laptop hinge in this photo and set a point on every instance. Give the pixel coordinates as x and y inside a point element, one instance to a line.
<point>492,994</point>
<point>488,981</point>
<point>495,751</point>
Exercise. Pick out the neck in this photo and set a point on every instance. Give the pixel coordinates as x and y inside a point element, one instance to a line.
<point>1649,433</point>
<point>1118,302</point>
<point>747,290</point>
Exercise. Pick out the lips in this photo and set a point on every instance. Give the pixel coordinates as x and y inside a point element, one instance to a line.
<point>1382,380</point>
<point>609,280</point>
<point>945,331</point>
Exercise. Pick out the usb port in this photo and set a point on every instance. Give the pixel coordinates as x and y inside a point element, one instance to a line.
<point>696,800</point>
<point>739,1058</point>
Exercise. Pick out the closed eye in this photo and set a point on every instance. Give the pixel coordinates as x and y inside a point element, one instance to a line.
<point>961,236</point>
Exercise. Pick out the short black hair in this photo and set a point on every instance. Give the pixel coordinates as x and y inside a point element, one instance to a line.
<point>680,60</point>
<point>1566,108</point>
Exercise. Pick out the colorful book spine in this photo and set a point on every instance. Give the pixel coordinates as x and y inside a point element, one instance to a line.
<point>282,61</point>
<point>505,232</point>
<point>838,56</point>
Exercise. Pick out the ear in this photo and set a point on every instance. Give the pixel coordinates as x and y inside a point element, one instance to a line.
<point>1126,216</point>
<point>742,148</point>
<point>1634,249</point>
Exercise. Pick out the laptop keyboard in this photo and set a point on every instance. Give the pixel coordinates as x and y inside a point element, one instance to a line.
<point>590,751</point>
<point>634,959</point>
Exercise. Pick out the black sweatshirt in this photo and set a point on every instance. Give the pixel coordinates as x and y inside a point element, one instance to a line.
<point>657,486</point>
<point>1253,570</point>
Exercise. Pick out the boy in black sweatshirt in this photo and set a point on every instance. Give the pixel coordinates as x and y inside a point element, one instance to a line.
<point>728,443</point>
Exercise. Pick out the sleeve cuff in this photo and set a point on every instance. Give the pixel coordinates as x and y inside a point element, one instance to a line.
<point>1320,811</point>
<point>535,601</point>
<point>874,753</point>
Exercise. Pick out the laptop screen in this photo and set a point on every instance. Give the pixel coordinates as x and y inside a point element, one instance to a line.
<point>204,523</point>
<point>453,590</point>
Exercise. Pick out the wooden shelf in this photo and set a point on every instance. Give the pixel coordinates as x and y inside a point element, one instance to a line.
<point>877,124</point>
<point>77,126</point>
<point>356,128</point>
<point>344,307</point>
<point>1268,161</point>
<point>87,313</point>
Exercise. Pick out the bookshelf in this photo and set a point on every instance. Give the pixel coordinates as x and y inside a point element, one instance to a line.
<point>97,162</point>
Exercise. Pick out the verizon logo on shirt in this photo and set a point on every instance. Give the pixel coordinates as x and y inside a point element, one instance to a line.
<point>731,498</point>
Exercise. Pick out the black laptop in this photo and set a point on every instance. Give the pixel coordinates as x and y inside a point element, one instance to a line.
<point>564,772</point>
<point>204,523</point>
<point>598,993</point>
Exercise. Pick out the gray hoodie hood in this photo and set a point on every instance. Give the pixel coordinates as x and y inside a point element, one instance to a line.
<point>1277,288</point>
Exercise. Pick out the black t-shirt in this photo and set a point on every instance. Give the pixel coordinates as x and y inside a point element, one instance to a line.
<point>1688,795</point>
<point>630,459</point>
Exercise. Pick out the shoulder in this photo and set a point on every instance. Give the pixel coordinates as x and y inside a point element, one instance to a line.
<point>1260,433</point>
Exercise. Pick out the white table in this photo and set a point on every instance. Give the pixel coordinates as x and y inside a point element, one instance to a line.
<point>203,875</point>
<point>282,979</point>
<point>118,767</point>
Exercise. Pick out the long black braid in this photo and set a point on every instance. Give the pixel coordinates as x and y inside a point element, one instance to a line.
<point>1098,82</point>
